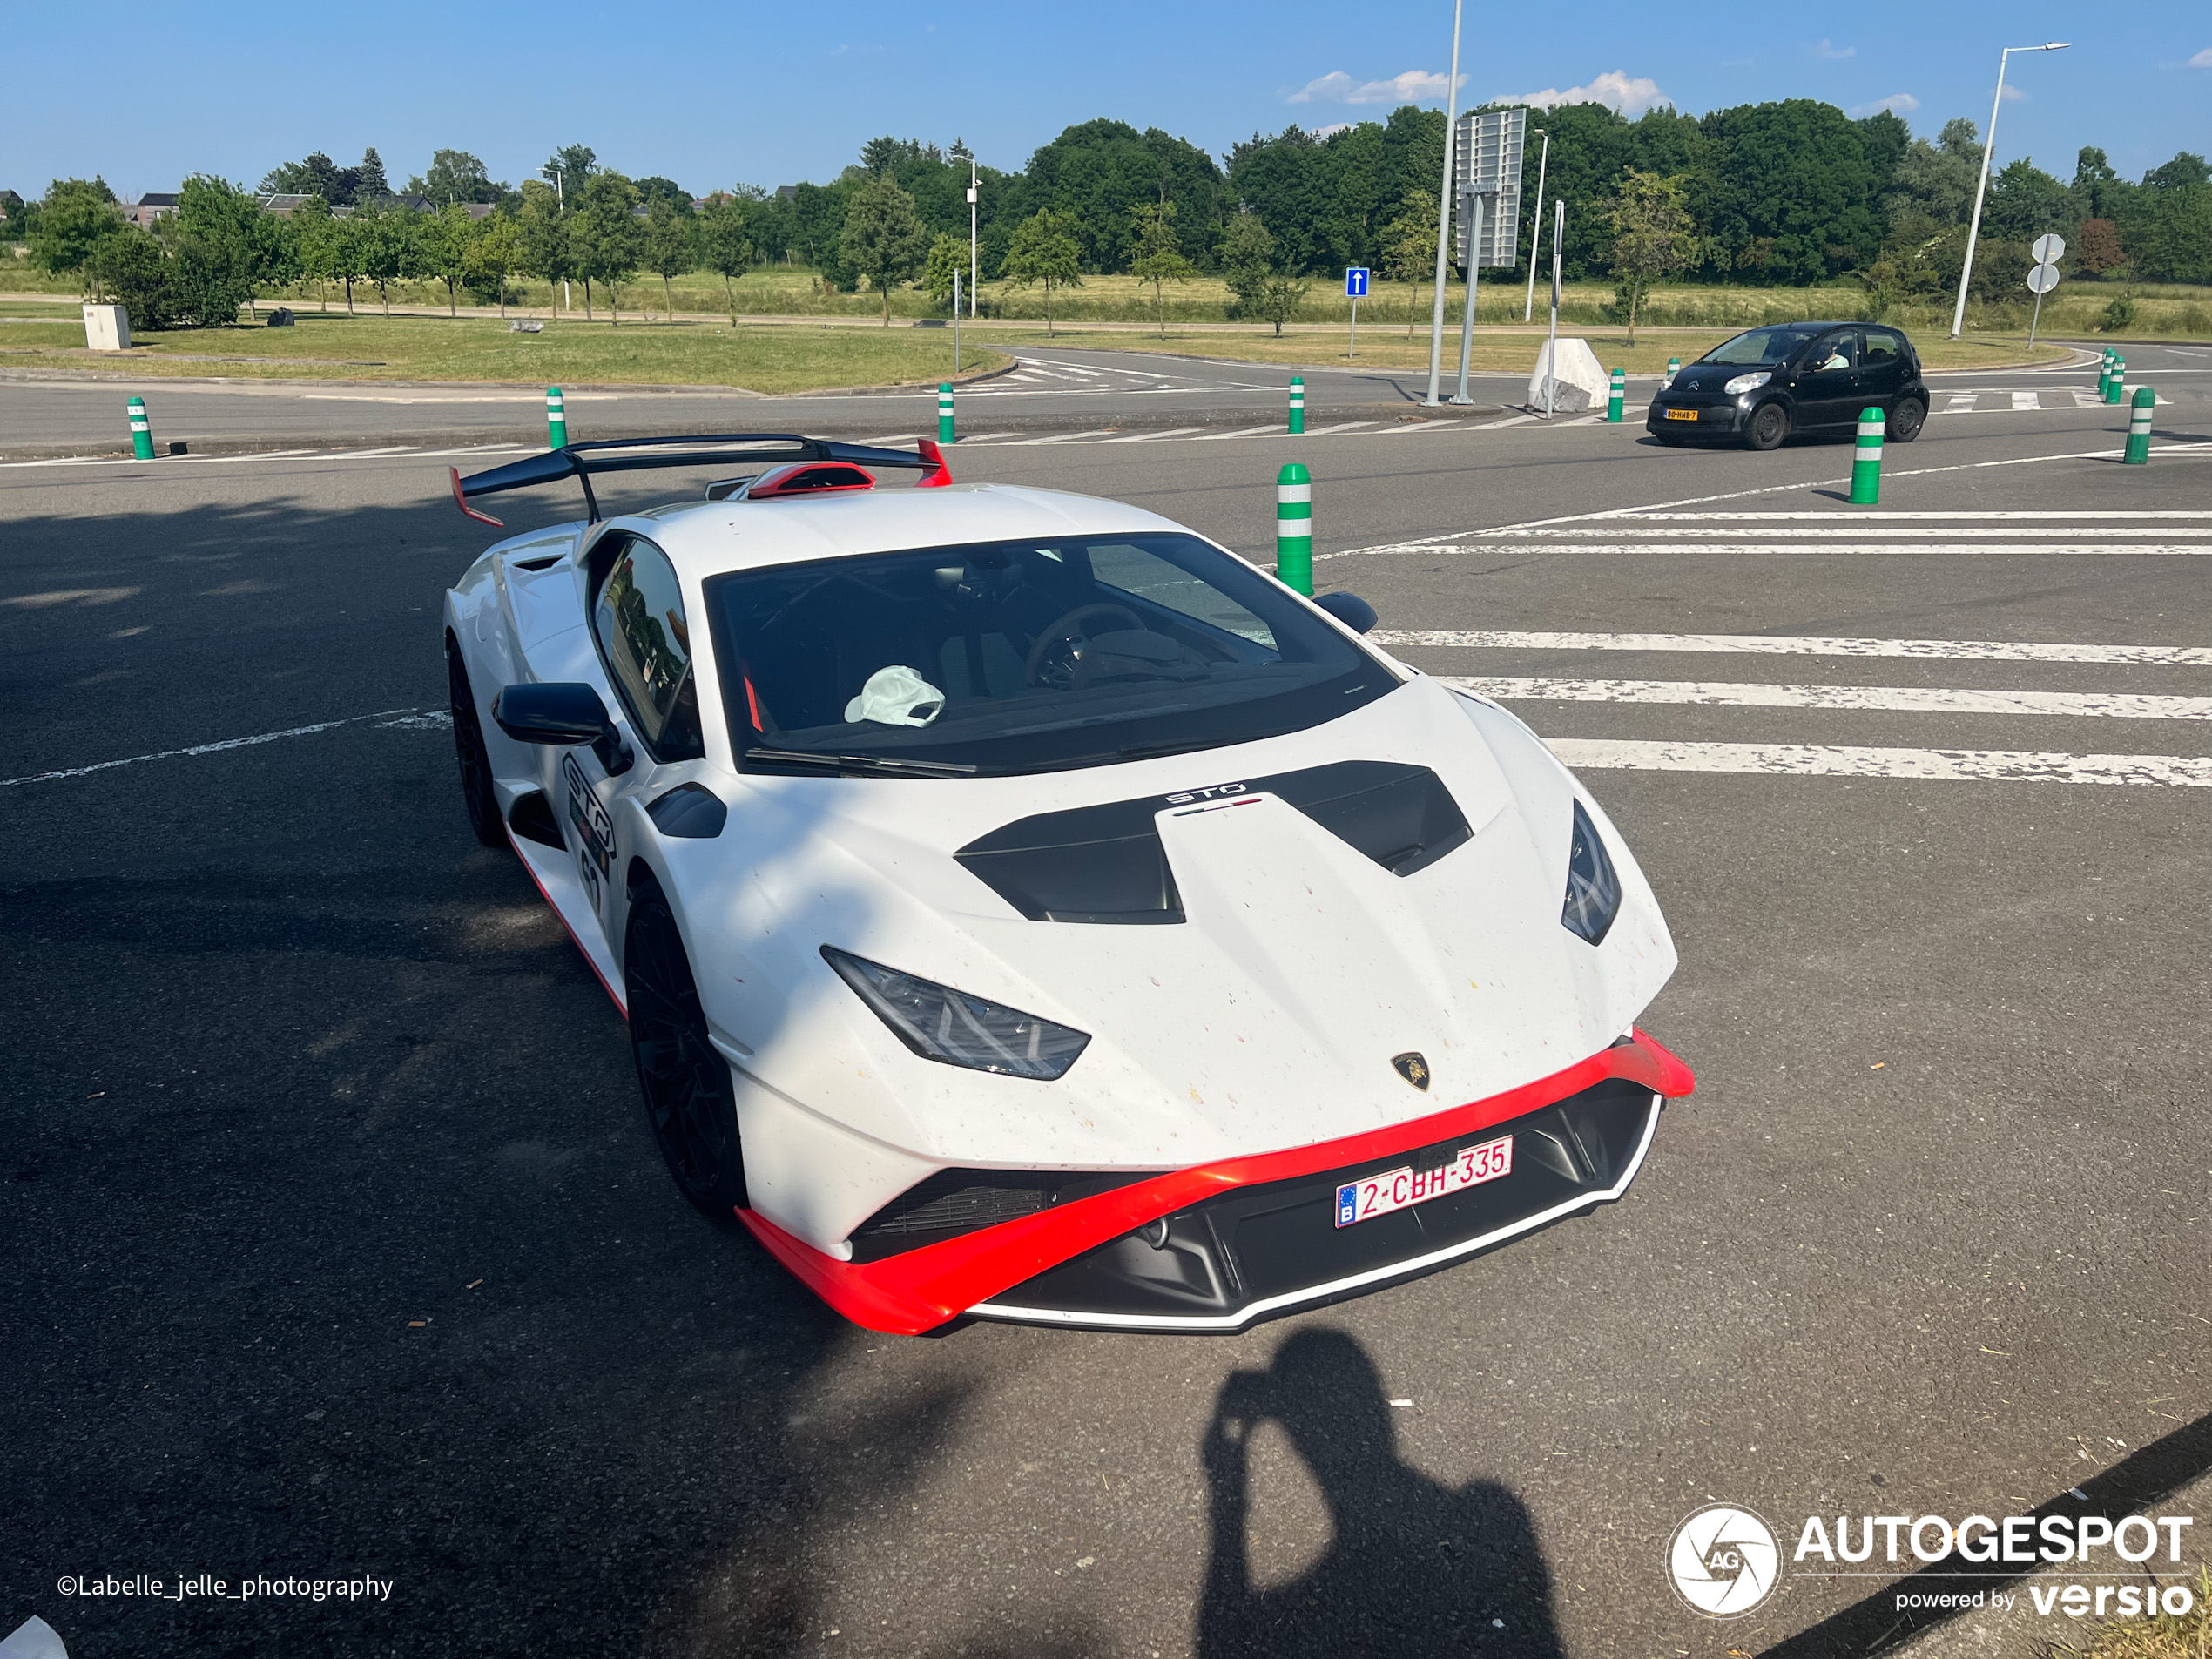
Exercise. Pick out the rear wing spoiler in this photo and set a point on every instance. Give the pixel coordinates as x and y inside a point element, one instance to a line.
<point>582,461</point>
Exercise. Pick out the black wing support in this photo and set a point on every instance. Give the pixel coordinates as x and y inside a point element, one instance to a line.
<point>582,462</point>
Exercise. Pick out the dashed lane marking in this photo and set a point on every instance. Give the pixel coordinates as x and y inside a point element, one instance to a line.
<point>404,719</point>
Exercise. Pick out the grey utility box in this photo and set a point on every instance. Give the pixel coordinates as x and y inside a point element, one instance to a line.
<point>107,328</point>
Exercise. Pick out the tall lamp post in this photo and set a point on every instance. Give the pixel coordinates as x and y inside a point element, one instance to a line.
<point>1444,218</point>
<point>1988,148</point>
<point>560,195</point>
<point>1536,227</point>
<point>973,269</point>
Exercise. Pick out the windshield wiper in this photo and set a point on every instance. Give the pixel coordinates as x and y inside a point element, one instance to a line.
<point>860,763</point>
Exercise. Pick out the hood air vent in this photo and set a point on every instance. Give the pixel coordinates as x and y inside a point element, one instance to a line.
<point>1105,863</point>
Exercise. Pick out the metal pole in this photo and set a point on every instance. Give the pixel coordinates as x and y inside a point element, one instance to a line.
<point>1982,184</point>
<point>1551,352</point>
<point>2035,321</point>
<point>1536,226</point>
<point>955,322</point>
<point>1354,350</point>
<point>1443,217</point>
<point>1467,316</point>
<point>975,270</point>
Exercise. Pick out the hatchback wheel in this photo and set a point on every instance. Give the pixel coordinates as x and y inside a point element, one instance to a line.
<point>1770,425</point>
<point>689,1099</point>
<point>1906,419</point>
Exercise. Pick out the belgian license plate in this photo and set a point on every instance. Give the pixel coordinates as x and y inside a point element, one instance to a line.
<point>1681,415</point>
<point>1378,1195</point>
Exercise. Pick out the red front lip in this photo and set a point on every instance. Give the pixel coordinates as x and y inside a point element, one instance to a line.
<point>907,1294</point>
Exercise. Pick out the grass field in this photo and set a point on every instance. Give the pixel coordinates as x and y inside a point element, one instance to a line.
<point>785,359</point>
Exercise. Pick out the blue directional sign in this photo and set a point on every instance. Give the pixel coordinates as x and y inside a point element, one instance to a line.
<point>1355,282</point>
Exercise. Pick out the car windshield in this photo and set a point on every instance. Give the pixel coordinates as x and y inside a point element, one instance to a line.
<point>1013,657</point>
<point>1760,346</point>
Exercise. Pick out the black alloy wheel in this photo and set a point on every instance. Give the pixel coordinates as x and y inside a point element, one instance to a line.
<point>1770,425</point>
<point>1906,419</point>
<point>468,748</point>
<point>689,1099</point>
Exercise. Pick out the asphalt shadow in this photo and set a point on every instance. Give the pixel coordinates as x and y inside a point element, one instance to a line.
<point>1411,1564</point>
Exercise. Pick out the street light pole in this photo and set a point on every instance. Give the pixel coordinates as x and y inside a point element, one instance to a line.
<point>1443,217</point>
<point>1536,227</point>
<point>560,195</point>
<point>1981,186</point>
<point>973,269</point>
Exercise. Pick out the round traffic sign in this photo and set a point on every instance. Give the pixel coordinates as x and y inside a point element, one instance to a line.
<point>2043,279</point>
<point>2049,249</point>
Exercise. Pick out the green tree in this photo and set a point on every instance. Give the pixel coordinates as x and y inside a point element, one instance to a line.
<point>1654,237</point>
<point>1247,260</point>
<point>575,163</point>
<point>725,242</point>
<point>443,245</point>
<point>314,245</point>
<point>457,176</point>
<point>135,270</point>
<point>884,238</point>
<point>541,231</point>
<point>382,239</point>
<point>669,246</point>
<point>948,264</point>
<point>1159,255</point>
<point>1409,246</point>
<point>606,240</point>
<point>492,252</point>
<point>223,246</point>
<point>1043,249</point>
<point>77,217</point>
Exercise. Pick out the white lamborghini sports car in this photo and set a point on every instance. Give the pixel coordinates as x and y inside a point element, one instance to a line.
<point>1024,908</point>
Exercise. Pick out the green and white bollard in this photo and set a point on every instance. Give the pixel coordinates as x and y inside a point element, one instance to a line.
<point>141,430</point>
<point>1866,465</point>
<point>2116,382</point>
<point>1617,397</point>
<point>2138,451</point>
<point>1298,403</point>
<point>556,419</point>
<point>1673,367</point>
<point>944,412</point>
<point>2104,372</point>
<point>1294,527</point>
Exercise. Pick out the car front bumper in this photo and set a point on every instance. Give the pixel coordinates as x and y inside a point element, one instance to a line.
<point>1714,420</point>
<point>1218,1246</point>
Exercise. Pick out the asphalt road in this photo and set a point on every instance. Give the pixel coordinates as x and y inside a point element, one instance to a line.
<point>340,1246</point>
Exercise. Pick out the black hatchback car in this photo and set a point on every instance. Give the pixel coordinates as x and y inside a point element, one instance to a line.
<point>1766,383</point>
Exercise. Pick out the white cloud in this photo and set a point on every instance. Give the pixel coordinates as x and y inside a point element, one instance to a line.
<point>1830,52</point>
<point>1629,95</point>
<point>1896,103</point>
<point>1330,130</point>
<point>2013,94</point>
<point>1415,86</point>
<point>2202,60</point>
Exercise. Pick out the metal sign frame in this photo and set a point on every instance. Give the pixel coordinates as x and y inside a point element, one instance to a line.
<point>1486,162</point>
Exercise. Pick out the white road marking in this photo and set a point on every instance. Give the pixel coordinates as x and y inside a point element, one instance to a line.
<point>1896,699</point>
<point>1059,437</point>
<point>1433,426</point>
<point>1838,760</point>
<point>1242,432</point>
<point>1978,650</point>
<point>1149,437</point>
<point>1511,419</point>
<point>396,716</point>
<point>1659,530</point>
<point>1796,549</point>
<point>1341,425</point>
<point>2100,515</point>
<point>2027,401</point>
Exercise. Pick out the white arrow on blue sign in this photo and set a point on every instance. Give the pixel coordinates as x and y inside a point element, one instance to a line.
<point>1355,282</point>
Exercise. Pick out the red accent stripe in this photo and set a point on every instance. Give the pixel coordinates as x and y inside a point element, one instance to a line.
<point>941,473</point>
<point>923,1288</point>
<point>621,1007</point>
<point>462,502</point>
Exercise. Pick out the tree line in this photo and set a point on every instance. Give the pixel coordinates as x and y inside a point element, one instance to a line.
<point>1790,192</point>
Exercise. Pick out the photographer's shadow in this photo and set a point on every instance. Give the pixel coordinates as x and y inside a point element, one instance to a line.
<point>1411,1563</point>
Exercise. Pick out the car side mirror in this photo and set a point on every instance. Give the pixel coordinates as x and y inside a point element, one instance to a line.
<point>562,712</point>
<point>1349,609</point>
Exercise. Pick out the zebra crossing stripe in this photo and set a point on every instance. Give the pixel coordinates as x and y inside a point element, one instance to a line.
<point>1895,699</point>
<point>1981,651</point>
<point>1842,760</point>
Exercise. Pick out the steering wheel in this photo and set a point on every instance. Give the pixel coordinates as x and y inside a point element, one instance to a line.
<point>1051,659</point>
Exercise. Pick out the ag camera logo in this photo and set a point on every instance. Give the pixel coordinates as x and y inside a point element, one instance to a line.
<point>1725,1560</point>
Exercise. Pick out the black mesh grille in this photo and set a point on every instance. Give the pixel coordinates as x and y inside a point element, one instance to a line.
<point>952,1202</point>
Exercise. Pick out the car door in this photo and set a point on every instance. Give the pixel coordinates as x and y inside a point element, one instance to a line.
<point>1881,367</point>
<point>1827,383</point>
<point>642,638</point>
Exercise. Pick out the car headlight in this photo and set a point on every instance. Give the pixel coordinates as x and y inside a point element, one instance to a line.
<point>1593,888</point>
<point>956,1030</point>
<point>1747,382</point>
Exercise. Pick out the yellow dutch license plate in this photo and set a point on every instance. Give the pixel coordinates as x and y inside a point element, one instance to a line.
<point>1681,415</point>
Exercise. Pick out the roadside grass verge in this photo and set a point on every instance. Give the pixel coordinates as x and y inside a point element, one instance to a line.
<point>570,351</point>
<point>2189,1637</point>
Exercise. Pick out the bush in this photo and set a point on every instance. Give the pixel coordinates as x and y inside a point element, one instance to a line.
<point>2120,314</point>
<point>134,272</point>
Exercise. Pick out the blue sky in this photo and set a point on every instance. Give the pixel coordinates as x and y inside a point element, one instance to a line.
<point>718,94</point>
